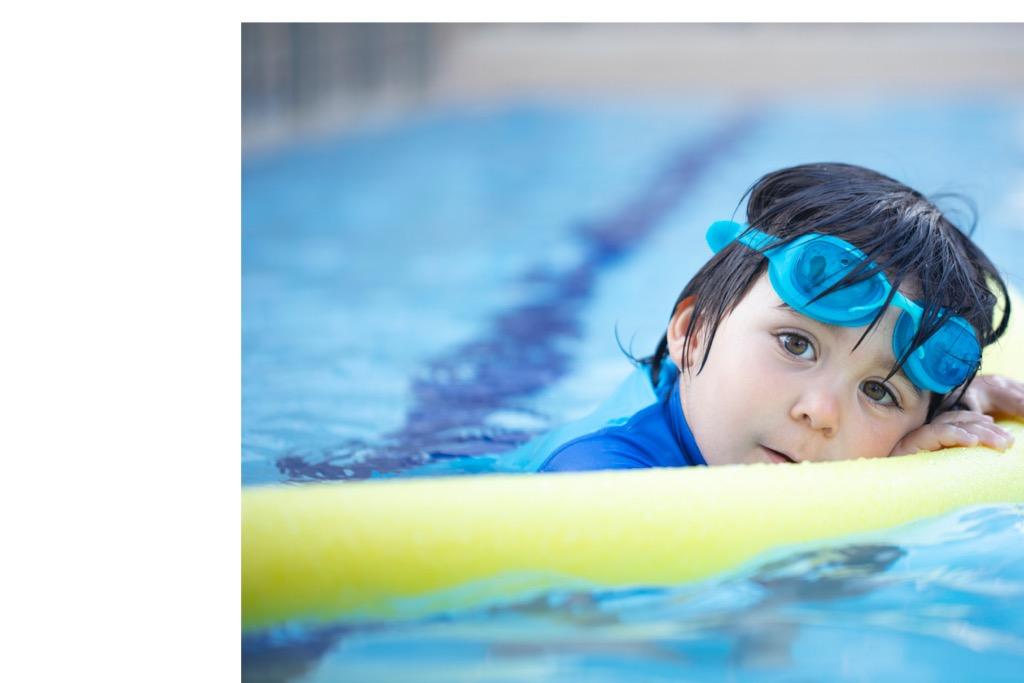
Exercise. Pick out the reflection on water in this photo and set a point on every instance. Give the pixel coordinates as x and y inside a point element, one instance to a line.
<point>945,593</point>
<point>764,635</point>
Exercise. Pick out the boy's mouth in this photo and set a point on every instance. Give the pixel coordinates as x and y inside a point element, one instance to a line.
<point>777,456</point>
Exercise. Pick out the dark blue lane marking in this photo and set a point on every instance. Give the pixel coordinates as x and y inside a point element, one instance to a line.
<point>524,349</point>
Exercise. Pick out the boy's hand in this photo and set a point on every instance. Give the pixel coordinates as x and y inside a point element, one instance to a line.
<point>955,428</point>
<point>995,395</point>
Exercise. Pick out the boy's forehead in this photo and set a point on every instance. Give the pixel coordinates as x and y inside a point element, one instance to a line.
<point>880,335</point>
<point>764,294</point>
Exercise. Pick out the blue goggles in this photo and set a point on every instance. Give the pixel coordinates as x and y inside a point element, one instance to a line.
<point>804,268</point>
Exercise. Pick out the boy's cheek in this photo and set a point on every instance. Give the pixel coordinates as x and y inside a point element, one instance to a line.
<point>876,441</point>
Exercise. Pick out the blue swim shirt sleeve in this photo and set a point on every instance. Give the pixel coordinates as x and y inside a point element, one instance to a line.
<point>656,436</point>
<point>593,452</point>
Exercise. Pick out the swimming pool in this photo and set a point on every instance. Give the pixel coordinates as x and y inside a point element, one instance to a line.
<point>422,297</point>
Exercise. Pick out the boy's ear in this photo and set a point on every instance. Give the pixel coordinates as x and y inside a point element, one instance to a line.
<point>676,333</point>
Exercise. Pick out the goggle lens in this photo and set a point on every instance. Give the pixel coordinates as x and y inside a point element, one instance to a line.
<point>818,265</point>
<point>945,361</point>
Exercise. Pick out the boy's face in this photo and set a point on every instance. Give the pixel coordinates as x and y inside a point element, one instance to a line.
<point>779,386</point>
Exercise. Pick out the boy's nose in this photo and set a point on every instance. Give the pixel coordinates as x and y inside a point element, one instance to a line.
<point>818,408</point>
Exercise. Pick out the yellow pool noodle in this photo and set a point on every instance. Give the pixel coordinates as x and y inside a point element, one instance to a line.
<point>404,548</point>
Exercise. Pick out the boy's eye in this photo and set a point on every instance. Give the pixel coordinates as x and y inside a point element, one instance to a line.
<point>797,345</point>
<point>879,393</point>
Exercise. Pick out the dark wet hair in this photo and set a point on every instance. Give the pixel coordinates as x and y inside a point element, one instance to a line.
<point>898,228</point>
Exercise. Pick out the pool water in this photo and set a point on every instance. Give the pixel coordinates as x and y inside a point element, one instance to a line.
<point>941,601</point>
<point>423,297</point>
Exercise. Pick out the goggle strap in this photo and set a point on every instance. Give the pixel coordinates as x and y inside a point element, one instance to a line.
<point>757,240</point>
<point>722,233</point>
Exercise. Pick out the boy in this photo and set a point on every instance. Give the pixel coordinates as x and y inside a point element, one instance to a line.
<point>847,322</point>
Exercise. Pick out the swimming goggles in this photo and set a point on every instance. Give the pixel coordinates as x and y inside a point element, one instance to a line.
<point>811,263</point>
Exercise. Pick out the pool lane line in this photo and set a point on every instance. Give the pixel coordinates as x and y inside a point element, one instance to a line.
<point>524,348</point>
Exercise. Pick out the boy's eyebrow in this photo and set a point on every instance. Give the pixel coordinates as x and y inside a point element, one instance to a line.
<point>884,359</point>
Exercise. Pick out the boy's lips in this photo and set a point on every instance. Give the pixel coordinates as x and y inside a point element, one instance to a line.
<point>778,456</point>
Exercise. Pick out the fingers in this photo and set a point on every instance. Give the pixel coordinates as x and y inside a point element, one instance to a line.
<point>982,426</point>
<point>932,437</point>
<point>1001,395</point>
<point>949,435</point>
<point>988,434</point>
<point>978,431</point>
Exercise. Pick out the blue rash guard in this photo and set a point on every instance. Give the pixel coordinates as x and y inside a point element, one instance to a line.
<point>656,436</point>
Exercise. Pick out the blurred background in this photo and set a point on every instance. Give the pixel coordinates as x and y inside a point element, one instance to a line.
<point>306,78</point>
